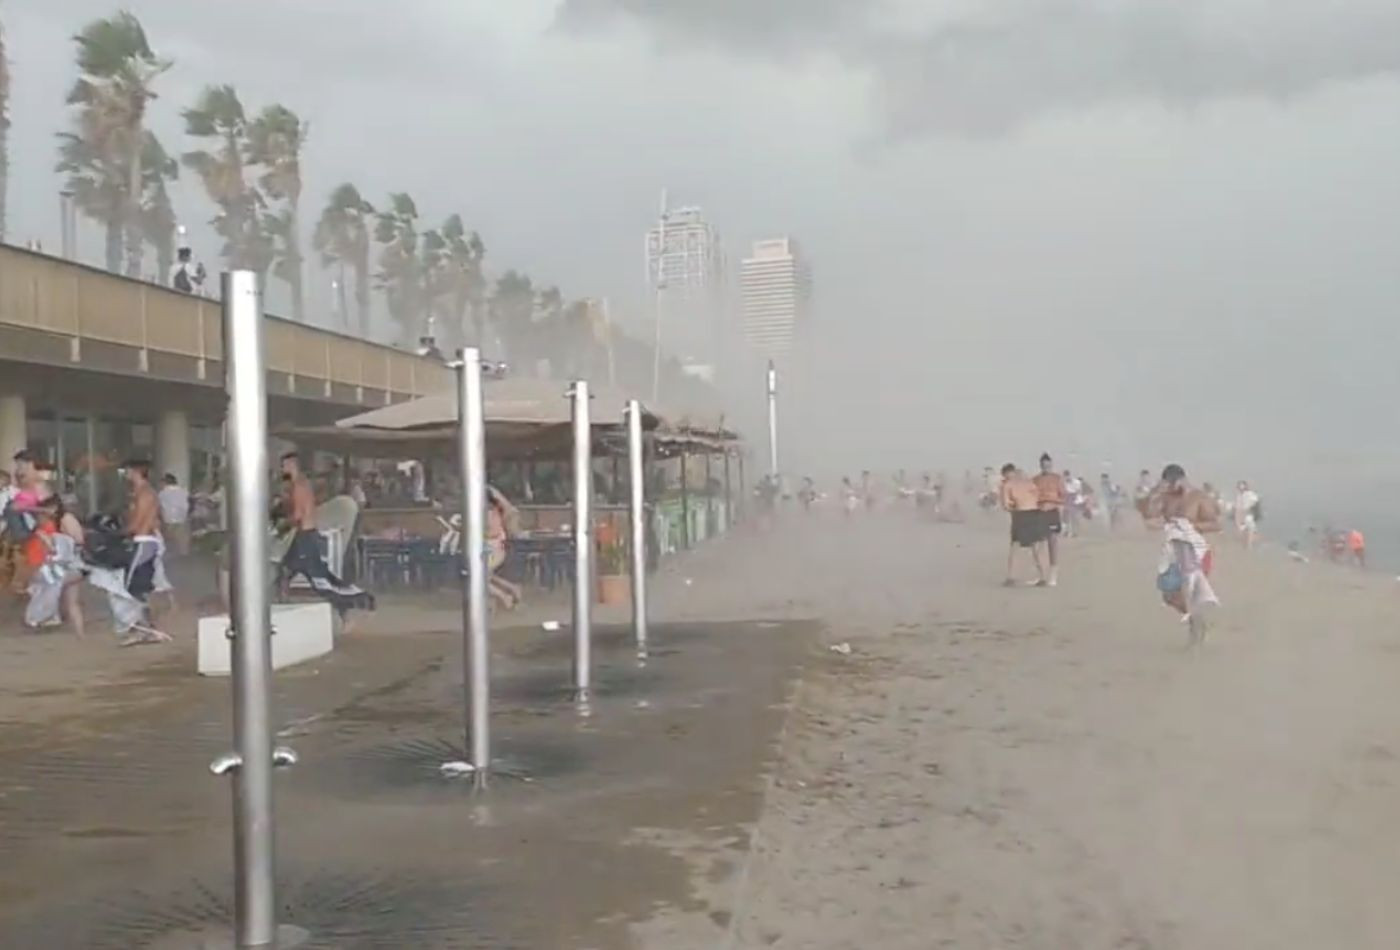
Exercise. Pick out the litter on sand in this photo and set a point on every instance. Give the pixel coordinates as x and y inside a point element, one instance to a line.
<point>456,769</point>
<point>842,648</point>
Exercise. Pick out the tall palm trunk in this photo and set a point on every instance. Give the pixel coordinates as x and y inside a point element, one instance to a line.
<point>342,297</point>
<point>114,244</point>
<point>294,249</point>
<point>135,240</point>
<point>165,259</point>
<point>362,296</point>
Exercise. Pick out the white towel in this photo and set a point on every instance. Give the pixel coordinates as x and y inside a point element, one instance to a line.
<point>1185,546</point>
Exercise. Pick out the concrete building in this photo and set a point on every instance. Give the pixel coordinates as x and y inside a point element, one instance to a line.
<point>97,368</point>
<point>775,285</point>
<point>686,275</point>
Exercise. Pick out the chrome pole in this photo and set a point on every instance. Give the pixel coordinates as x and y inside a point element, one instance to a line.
<point>637,520</point>
<point>583,540</point>
<point>254,885</point>
<point>476,647</point>
<point>772,420</point>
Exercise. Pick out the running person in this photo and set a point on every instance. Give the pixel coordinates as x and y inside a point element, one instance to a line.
<point>1183,575</point>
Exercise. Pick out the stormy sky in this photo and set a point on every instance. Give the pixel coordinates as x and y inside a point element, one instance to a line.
<point>1121,231</point>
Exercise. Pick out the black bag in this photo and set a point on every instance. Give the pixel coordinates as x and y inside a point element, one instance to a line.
<point>19,525</point>
<point>107,544</point>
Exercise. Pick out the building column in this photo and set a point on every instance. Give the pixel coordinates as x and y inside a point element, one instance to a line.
<point>172,446</point>
<point>14,428</point>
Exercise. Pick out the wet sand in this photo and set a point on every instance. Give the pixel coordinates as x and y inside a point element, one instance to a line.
<point>986,768</point>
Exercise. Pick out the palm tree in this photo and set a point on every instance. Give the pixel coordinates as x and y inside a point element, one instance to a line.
<point>463,280</point>
<point>97,187</point>
<point>4,131</point>
<point>513,312</point>
<point>399,275</point>
<point>342,239</point>
<point>434,278</point>
<point>275,141</point>
<point>219,116</point>
<point>116,70</point>
<point>157,212</point>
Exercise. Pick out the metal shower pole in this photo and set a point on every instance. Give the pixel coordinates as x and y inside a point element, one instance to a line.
<point>637,522</point>
<point>583,539</point>
<point>254,858</point>
<point>476,645</point>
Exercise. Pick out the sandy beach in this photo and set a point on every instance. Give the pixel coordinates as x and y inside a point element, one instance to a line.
<point>1050,768</point>
<point>971,767</point>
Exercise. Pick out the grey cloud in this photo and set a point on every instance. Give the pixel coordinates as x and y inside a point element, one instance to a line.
<point>988,67</point>
<point>766,26</point>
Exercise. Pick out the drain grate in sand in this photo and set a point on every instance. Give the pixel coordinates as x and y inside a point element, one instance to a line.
<point>542,689</point>
<point>413,767</point>
<point>339,910</point>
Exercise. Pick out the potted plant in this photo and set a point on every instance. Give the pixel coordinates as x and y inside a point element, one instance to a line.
<point>614,586</point>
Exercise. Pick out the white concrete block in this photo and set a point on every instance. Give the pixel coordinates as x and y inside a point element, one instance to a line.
<point>301,632</point>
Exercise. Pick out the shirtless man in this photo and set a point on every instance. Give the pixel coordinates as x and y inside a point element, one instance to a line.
<point>1021,499</point>
<point>304,553</point>
<point>143,526</point>
<point>1175,497</point>
<point>1172,501</point>
<point>1052,506</point>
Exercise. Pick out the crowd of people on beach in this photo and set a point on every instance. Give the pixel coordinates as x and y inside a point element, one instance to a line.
<point>1053,505</point>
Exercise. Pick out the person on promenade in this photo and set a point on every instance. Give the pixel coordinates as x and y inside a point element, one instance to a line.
<point>1051,488</point>
<point>502,521</point>
<point>867,489</point>
<point>1187,514</point>
<point>1021,499</point>
<point>56,581</point>
<point>143,527</point>
<point>303,557</point>
<point>1247,510</point>
<point>175,513</point>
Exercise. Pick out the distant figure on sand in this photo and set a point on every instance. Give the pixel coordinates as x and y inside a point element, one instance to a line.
<point>1051,488</point>
<point>1356,547</point>
<point>1142,493</point>
<point>1183,571</point>
<point>1247,510</point>
<point>1021,499</point>
<point>850,499</point>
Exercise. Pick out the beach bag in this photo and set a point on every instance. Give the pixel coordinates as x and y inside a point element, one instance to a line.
<point>1258,512</point>
<point>1170,581</point>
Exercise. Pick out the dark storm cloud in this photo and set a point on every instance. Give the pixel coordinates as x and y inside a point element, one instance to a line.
<point>987,67</point>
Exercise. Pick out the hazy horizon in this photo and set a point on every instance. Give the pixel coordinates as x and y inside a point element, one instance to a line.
<point>1122,234</point>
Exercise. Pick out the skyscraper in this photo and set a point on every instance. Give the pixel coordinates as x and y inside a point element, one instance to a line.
<point>776,286</point>
<point>685,273</point>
